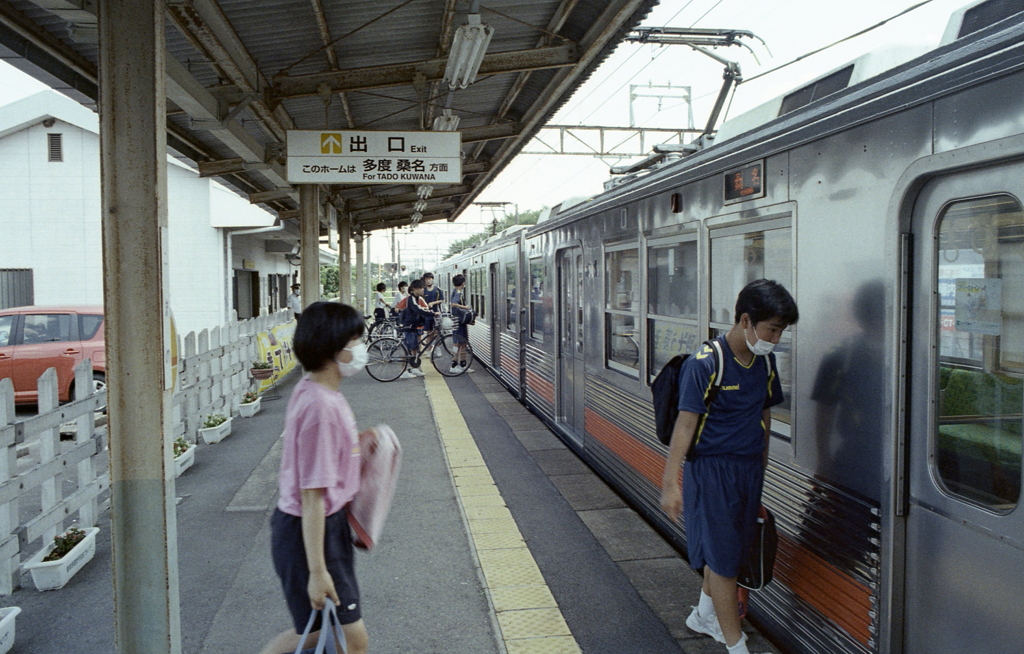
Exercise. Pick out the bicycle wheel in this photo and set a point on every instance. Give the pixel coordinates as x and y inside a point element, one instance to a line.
<point>448,359</point>
<point>388,330</point>
<point>388,359</point>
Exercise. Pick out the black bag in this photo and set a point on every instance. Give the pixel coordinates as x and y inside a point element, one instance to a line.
<point>464,316</point>
<point>665,391</point>
<point>756,572</point>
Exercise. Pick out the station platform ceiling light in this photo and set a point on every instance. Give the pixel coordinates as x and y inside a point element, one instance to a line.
<point>469,46</point>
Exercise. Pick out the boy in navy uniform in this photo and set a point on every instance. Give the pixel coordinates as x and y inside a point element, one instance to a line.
<point>724,469</point>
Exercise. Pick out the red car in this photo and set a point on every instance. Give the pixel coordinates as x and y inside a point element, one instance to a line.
<point>33,339</point>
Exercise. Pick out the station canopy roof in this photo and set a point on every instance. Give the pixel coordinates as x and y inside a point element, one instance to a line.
<point>240,73</point>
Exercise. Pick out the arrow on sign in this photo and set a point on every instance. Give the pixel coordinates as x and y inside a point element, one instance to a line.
<point>330,143</point>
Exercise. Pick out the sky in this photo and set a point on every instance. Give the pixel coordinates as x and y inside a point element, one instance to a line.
<point>790,29</point>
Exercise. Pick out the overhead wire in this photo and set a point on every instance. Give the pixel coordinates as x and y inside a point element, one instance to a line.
<point>835,43</point>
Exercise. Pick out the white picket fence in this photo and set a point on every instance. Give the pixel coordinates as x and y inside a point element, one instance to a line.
<point>213,373</point>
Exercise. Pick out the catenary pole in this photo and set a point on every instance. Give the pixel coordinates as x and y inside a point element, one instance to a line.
<point>133,162</point>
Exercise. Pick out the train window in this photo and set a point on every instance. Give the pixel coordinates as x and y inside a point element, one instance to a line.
<point>980,326</point>
<point>739,255</point>
<point>510,297</point>
<point>538,311</point>
<point>672,281</point>
<point>622,304</point>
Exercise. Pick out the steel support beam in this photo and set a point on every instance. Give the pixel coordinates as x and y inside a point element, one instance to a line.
<point>399,210</point>
<point>402,222</point>
<point>376,202</point>
<point>432,70</point>
<point>133,151</point>
<point>344,223</point>
<point>359,301</point>
<point>490,132</point>
<point>309,234</point>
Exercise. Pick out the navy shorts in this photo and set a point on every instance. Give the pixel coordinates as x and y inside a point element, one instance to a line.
<point>460,335</point>
<point>289,555</point>
<point>721,498</point>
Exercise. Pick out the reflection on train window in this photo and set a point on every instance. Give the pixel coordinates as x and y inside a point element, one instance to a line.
<point>738,259</point>
<point>672,282</point>
<point>538,310</point>
<point>622,299</point>
<point>477,288</point>
<point>510,297</point>
<point>980,325</point>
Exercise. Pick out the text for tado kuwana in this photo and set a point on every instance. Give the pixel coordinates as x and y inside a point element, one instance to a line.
<point>366,157</point>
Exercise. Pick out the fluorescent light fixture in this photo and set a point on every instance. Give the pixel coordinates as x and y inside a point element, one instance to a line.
<point>420,206</point>
<point>416,217</point>
<point>424,191</point>
<point>468,49</point>
<point>446,122</point>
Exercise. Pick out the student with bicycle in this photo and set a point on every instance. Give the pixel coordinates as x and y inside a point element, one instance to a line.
<point>461,333</point>
<point>413,318</point>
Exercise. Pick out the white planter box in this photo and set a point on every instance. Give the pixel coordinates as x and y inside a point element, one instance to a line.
<point>183,462</point>
<point>216,434</point>
<point>54,574</point>
<point>250,409</point>
<point>7,616</point>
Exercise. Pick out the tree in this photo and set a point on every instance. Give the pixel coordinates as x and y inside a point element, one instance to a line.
<point>525,218</point>
<point>329,280</point>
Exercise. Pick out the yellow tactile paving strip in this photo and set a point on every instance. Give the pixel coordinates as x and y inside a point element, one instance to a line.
<point>527,614</point>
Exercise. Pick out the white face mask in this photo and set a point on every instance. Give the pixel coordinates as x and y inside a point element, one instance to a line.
<point>360,357</point>
<point>759,347</point>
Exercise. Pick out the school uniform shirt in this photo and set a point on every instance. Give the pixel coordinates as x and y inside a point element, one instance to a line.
<point>433,294</point>
<point>320,449</point>
<point>399,296</point>
<point>733,424</point>
<point>381,304</point>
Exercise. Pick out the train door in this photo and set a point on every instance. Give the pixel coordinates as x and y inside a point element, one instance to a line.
<point>570,340</point>
<point>964,553</point>
<point>495,311</point>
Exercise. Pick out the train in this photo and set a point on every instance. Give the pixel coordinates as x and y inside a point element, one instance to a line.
<point>889,202</point>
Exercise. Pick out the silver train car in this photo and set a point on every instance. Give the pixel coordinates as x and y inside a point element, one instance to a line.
<point>893,209</point>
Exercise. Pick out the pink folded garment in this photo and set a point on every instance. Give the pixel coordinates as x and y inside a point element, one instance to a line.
<point>379,476</point>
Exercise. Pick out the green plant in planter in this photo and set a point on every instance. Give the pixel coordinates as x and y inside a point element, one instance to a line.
<point>262,365</point>
<point>214,420</point>
<point>64,543</point>
<point>181,446</point>
<point>250,397</point>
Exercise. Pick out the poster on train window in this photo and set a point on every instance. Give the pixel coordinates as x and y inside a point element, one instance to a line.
<point>979,305</point>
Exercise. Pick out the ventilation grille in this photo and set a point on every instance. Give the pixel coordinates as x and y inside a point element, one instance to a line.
<point>55,147</point>
<point>834,83</point>
<point>988,14</point>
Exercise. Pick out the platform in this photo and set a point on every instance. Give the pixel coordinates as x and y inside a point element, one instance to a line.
<point>500,540</point>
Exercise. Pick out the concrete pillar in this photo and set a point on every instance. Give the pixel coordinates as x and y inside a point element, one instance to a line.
<point>309,232</point>
<point>133,162</point>
<point>360,299</point>
<point>344,257</point>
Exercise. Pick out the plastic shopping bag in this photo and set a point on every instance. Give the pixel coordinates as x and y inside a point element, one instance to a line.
<point>332,638</point>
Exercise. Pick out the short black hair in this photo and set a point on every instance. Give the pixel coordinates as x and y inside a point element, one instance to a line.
<point>763,299</point>
<point>428,275</point>
<point>458,280</point>
<point>324,329</point>
<point>402,285</point>
<point>416,283</point>
<point>381,287</point>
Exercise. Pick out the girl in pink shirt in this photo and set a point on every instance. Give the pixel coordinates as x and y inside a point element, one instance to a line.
<point>311,542</point>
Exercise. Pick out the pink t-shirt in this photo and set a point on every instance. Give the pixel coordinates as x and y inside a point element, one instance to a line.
<point>321,448</point>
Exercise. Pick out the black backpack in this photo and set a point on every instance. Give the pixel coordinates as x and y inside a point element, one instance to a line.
<point>665,391</point>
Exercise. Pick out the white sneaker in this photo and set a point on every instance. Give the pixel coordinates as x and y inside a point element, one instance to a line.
<point>416,371</point>
<point>707,626</point>
<point>471,370</point>
<point>454,370</point>
<point>407,375</point>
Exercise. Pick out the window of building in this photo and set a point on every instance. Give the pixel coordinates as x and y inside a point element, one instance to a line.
<point>672,313</point>
<point>510,297</point>
<point>55,147</point>
<point>980,359</point>
<point>538,309</point>
<point>622,306</point>
<point>739,255</point>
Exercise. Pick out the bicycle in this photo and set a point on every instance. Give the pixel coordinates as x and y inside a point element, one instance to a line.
<point>389,357</point>
<point>387,328</point>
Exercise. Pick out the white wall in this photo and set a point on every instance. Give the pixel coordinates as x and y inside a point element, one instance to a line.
<point>50,222</point>
<point>49,213</point>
